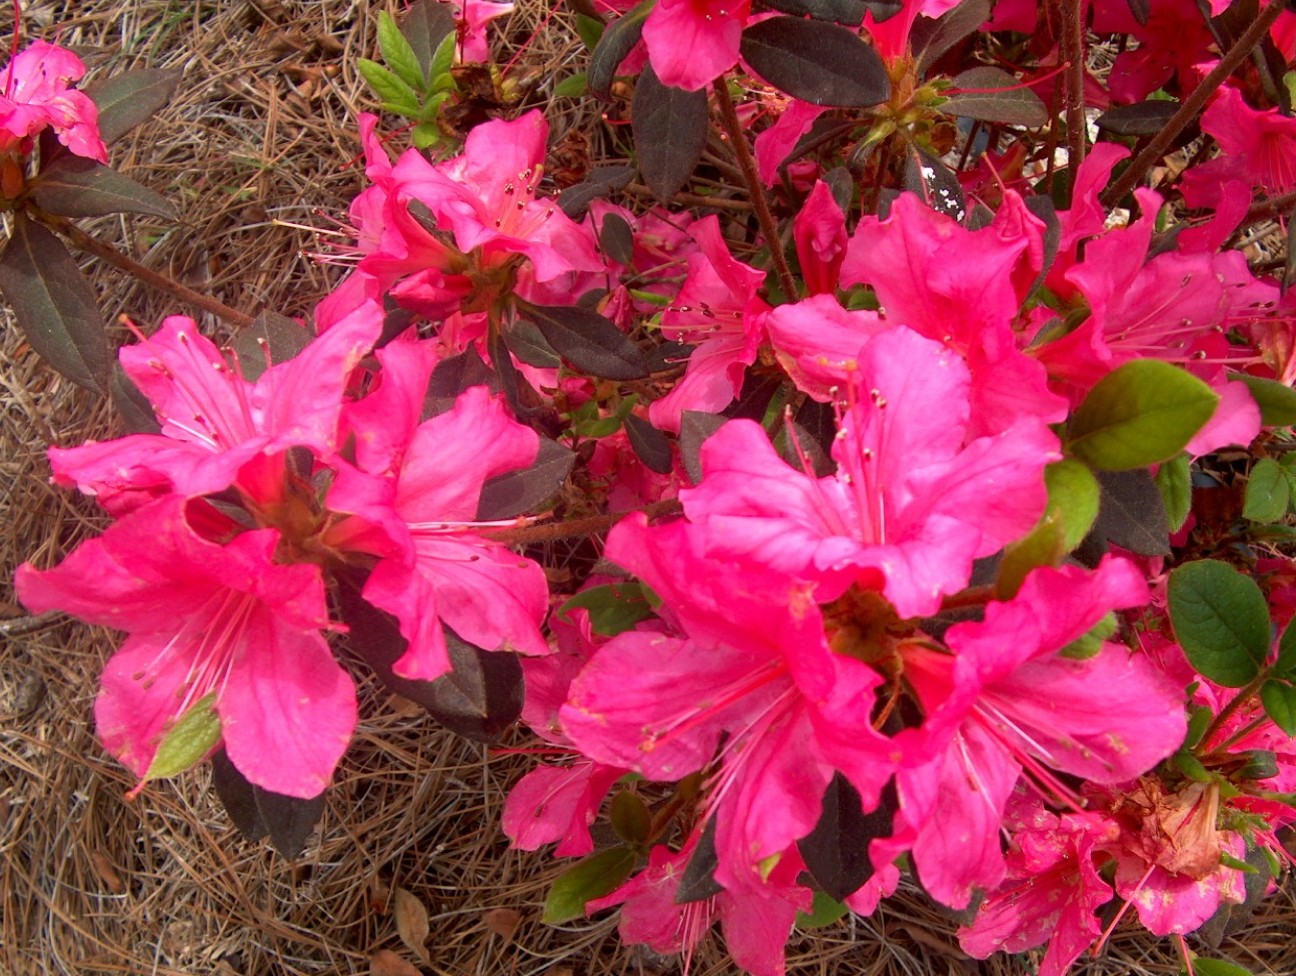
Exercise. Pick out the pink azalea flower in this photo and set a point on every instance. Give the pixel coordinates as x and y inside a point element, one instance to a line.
<point>1006,701</point>
<point>819,231</point>
<point>35,93</point>
<point>913,502</point>
<point>775,144</point>
<point>1258,149</point>
<point>214,422</point>
<point>756,920</point>
<point>742,666</point>
<point>719,309</point>
<point>964,289</point>
<point>420,495</point>
<point>207,619</point>
<point>473,16</point>
<point>692,42</point>
<point>1052,893</point>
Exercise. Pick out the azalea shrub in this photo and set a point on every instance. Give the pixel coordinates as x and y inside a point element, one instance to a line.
<point>926,463</point>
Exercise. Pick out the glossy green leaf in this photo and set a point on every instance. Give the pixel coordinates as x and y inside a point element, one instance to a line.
<point>397,52</point>
<point>1279,699</point>
<point>194,735</point>
<point>1174,481</point>
<point>573,86</point>
<point>824,910</point>
<point>1221,620</point>
<point>630,818</point>
<point>54,305</point>
<point>1286,663</point>
<point>1277,401</point>
<point>613,607</point>
<point>595,876</point>
<point>1267,492</point>
<point>396,95</point>
<point>1140,414</point>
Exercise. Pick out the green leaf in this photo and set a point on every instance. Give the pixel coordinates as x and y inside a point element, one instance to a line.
<point>824,910</point>
<point>1279,699</point>
<point>1192,767</point>
<point>613,607</point>
<point>595,876</point>
<point>1090,643</point>
<point>1199,720</point>
<point>817,62</point>
<point>1221,619</point>
<point>1277,401</point>
<point>54,305</point>
<point>670,129</point>
<point>1011,105</point>
<point>590,30</point>
<point>630,818</point>
<point>1286,663</point>
<point>398,53</point>
<point>573,86</point>
<point>185,743</point>
<point>1139,414</point>
<point>1074,495</point>
<point>77,187</point>
<point>396,95</point>
<point>1174,481</point>
<point>1218,967</point>
<point>442,61</point>
<point>1267,492</point>
<point>125,100</point>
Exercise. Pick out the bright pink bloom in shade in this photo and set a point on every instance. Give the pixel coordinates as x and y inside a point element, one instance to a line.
<point>775,144</point>
<point>692,42</point>
<point>1052,893</point>
<point>1007,701</point>
<point>964,289</point>
<point>214,422</point>
<point>746,673</point>
<point>913,502</point>
<point>756,920</point>
<point>819,231</point>
<point>206,618</point>
<point>473,16</point>
<point>718,309</point>
<point>891,36</point>
<point>818,343</point>
<point>1258,149</point>
<point>423,500</point>
<point>1173,42</point>
<point>35,94</point>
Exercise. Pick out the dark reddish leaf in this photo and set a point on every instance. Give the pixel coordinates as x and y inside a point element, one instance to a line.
<point>670,128</point>
<point>588,341</point>
<point>54,305</point>
<point>1011,105</point>
<point>650,444</point>
<point>236,795</point>
<point>820,63</point>
<point>836,851</point>
<point>126,100</point>
<point>77,187</point>
<point>288,819</point>
<point>614,46</point>
<point>270,339</point>
<point>929,39</point>
<point>698,882</point>
<point>517,492</point>
<point>1140,119</point>
<point>617,239</point>
<point>132,405</point>
<point>696,427</point>
<point>1131,514</point>
<point>454,375</point>
<point>848,12</point>
<point>527,343</point>
<point>425,26</point>
<point>601,181</point>
<point>936,183</point>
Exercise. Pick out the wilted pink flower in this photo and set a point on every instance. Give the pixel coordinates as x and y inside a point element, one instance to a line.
<point>207,619</point>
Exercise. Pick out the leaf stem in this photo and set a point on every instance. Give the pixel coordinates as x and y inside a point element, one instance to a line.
<point>729,116</point>
<point>1193,104</point>
<point>123,262</point>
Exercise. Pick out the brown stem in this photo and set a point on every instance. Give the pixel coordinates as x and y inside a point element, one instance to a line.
<point>1264,209</point>
<point>1074,53</point>
<point>1193,104</point>
<point>14,626</point>
<point>593,525</point>
<point>743,153</point>
<point>132,267</point>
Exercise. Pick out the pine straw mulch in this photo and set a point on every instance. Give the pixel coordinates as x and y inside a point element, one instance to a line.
<point>262,131</point>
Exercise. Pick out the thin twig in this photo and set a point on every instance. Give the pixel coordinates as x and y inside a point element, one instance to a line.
<point>16,626</point>
<point>574,528</point>
<point>742,152</point>
<point>1074,53</point>
<point>1193,104</point>
<point>132,267</point>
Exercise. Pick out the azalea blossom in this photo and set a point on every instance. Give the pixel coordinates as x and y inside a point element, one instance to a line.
<point>225,620</point>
